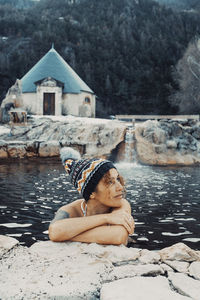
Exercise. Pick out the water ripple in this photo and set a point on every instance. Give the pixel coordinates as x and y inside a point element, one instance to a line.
<point>164,200</point>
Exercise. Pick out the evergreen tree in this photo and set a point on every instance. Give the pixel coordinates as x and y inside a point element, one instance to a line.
<point>123,49</point>
<point>187,73</point>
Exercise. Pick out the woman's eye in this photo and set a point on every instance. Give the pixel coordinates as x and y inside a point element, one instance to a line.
<point>114,181</point>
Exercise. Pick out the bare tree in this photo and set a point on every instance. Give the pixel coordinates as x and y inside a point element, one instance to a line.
<point>188,76</point>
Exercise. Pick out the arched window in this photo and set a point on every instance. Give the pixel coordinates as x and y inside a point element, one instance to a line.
<point>87,100</point>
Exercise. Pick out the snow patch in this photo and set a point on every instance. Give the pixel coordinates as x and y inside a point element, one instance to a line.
<point>73,118</point>
<point>4,130</point>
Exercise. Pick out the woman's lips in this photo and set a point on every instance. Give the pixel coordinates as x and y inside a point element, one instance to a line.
<point>118,196</point>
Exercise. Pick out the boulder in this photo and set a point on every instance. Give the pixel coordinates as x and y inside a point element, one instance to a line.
<point>19,131</point>
<point>113,254</point>
<point>179,252</point>
<point>131,270</point>
<point>149,257</point>
<point>52,271</point>
<point>168,143</point>
<point>16,150</point>
<point>154,133</point>
<point>179,266</point>
<point>139,288</point>
<point>32,148</point>
<point>166,268</point>
<point>171,144</point>
<point>196,132</point>
<point>176,129</point>
<point>185,285</point>
<point>49,149</point>
<point>194,269</point>
<point>6,244</point>
<point>3,153</point>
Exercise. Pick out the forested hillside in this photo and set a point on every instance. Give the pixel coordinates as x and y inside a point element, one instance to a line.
<point>181,4</point>
<point>125,50</point>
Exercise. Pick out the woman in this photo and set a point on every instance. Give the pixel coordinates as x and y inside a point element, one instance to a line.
<point>103,216</point>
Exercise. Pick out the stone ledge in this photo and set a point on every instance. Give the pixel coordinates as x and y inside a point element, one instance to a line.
<point>72,270</point>
<point>140,288</point>
<point>43,137</point>
<point>168,142</point>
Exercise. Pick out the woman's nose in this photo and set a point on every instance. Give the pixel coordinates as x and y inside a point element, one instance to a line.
<point>119,186</point>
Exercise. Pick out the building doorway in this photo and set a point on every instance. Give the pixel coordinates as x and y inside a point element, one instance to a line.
<point>49,104</point>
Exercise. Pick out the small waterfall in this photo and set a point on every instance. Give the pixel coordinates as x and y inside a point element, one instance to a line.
<point>129,152</point>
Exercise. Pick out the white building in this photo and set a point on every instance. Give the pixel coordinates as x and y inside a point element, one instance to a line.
<point>52,87</point>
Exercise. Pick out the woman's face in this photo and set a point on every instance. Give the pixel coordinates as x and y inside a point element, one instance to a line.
<point>109,190</point>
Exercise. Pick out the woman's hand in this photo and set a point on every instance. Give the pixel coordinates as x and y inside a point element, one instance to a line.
<point>122,217</point>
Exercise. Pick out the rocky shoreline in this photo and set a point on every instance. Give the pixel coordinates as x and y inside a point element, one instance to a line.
<point>72,270</point>
<point>43,136</point>
<point>168,142</point>
<point>165,142</point>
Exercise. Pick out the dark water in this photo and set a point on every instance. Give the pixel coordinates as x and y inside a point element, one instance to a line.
<point>165,201</point>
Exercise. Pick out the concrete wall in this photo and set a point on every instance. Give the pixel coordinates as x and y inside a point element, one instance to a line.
<point>29,102</point>
<point>66,104</point>
<point>74,104</point>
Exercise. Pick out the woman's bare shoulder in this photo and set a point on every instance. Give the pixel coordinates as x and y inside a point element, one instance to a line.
<point>72,208</point>
<point>126,204</point>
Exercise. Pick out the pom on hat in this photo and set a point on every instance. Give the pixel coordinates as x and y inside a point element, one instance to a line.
<point>69,153</point>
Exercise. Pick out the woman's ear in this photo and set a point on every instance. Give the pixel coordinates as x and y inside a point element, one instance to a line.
<point>92,196</point>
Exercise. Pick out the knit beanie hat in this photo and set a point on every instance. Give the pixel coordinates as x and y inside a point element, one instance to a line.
<point>85,174</point>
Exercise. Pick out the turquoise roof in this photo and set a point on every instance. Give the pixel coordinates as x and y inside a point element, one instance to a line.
<point>53,65</point>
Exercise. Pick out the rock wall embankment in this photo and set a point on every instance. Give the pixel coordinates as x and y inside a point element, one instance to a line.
<point>168,142</point>
<point>164,142</point>
<point>44,136</point>
<point>70,270</point>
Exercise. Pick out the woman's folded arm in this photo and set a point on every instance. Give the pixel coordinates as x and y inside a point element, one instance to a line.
<point>93,228</point>
<point>66,229</point>
<point>111,234</point>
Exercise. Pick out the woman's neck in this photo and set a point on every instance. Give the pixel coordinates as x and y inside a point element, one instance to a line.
<point>94,207</point>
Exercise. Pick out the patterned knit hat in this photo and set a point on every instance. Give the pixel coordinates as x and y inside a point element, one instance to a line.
<point>85,174</point>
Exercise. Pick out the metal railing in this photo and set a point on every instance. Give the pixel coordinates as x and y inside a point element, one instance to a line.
<point>155,117</point>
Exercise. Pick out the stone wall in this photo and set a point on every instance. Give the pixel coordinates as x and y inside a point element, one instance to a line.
<point>165,142</point>
<point>168,142</point>
<point>70,270</point>
<point>44,136</point>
